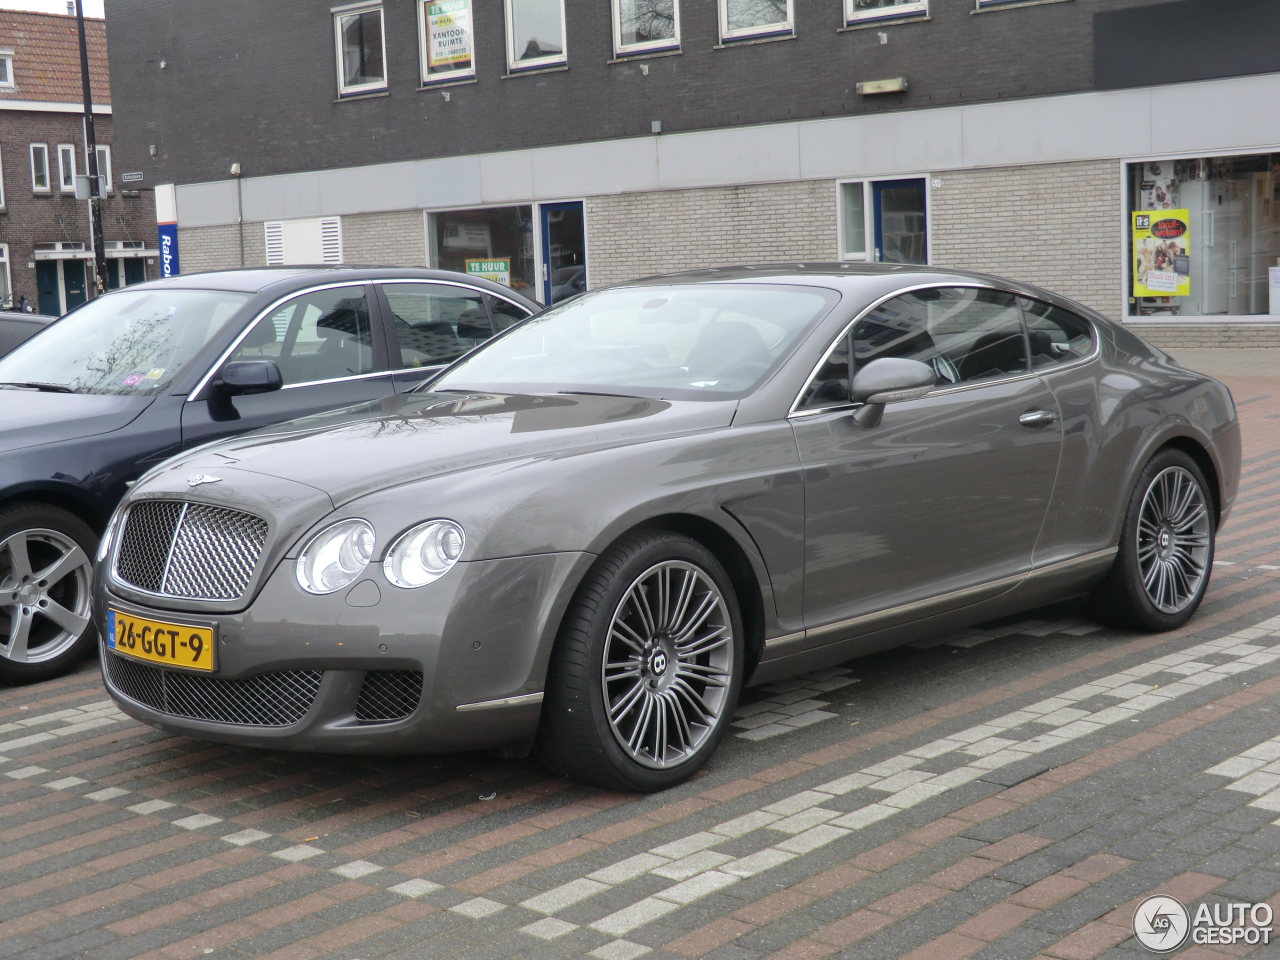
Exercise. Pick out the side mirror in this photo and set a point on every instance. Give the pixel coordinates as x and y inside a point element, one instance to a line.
<point>889,380</point>
<point>248,376</point>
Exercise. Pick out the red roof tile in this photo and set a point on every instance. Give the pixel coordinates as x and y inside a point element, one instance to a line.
<point>46,57</point>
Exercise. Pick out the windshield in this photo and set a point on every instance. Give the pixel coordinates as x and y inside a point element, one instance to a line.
<point>709,341</point>
<point>130,343</point>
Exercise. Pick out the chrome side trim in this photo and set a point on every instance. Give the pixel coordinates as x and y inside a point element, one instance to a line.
<point>1062,566</point>
<point>520,701</point>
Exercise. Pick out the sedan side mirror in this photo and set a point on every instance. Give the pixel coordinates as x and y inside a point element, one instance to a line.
<point>888,380</point>
<point>249,376</point>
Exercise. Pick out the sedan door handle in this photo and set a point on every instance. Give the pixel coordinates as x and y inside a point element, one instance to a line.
<point>1037,418</point>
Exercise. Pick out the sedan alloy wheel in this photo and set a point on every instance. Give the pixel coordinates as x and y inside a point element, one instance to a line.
<point>1174,533</point>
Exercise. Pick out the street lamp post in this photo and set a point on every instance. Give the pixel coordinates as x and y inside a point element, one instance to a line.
<point>91,146</point>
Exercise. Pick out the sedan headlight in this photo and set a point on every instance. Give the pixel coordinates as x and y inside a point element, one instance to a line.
<point>335,556</point>
<point>424,553</point>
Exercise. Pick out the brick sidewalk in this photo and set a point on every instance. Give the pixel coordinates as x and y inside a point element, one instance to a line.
<point>1009,791</point>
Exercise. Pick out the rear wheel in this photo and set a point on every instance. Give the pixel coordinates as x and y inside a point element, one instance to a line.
<point>45,573</point>
<point>1162,568</point>
<point>647,669</point>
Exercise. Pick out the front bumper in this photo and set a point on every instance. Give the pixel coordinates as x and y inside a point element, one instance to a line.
<point>294,671</point>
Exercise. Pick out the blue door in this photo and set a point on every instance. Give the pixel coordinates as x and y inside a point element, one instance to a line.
<point>564,251</point>
<point>901,234</point>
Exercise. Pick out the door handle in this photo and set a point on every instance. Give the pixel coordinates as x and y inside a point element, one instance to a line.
<point>1037,418</point>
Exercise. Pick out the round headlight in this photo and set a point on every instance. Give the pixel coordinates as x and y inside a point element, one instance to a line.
<point>424,553</point>
<point>335,556</point>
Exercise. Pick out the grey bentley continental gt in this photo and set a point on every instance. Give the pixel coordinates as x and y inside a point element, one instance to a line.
<point>587,535</point>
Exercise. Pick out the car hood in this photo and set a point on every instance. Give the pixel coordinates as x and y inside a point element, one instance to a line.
<point>353,452</point>
<point>32,417</point>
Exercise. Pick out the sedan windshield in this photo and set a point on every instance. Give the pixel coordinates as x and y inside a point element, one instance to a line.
<point>711,341</point>
<point>130,343</point>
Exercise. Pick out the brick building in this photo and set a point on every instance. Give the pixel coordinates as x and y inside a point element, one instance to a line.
<point>1124,152</point>
<point>45,240</point>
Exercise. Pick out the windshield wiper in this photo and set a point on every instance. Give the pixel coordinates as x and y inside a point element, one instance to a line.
<point>43,387</point>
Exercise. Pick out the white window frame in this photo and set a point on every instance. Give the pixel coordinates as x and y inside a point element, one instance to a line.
<point>339,13</point>
<point>1,181</point>
<point>42,167</point>
<point>7,298</point>
<point>104,167</point>
<point>6,81</point>
<point>552,60</point>
<point>424,64</point>
<point>778,28</point>
<point>908,8</point>
<point>627,49</point>
<point>989,4</point>
<point>67,167</point>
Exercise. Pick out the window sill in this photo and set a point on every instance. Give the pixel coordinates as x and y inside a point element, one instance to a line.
<point>1006,4</point>
<point>752,41</point>
<point>370,95</point>
<point>451,82</point>
<point>888,21</point>
<point>534,71</point>
<point>645,55</point>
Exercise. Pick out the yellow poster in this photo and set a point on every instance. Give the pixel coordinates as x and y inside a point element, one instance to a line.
<point>1161,253</point>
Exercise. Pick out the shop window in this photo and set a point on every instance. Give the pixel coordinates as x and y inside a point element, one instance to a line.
<point>40,167</point>
<point>640,26</point>
<point>67,167</point>
<point>446,40</point>
<point>6,70</point>
<point>1204,236</point>
<point>494,242</point>
<point>361,48</point>
<point>745,19</point>
<point>535,33</point>
<point>860,11</point>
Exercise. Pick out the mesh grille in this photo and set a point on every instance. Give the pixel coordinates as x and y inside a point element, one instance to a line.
<point>388,695</point>
<point>276,699</point>
<point>189,550</point>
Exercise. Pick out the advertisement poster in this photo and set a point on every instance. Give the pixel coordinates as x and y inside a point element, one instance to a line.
<point>448,35</point>
<point>1161,258</point>
<point>167,234</point>
<point>498,270</point>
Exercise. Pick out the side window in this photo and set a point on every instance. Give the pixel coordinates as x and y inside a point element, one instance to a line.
<point>505,313</point>
<point>1055,335</point>
<point>325,335</point>
<point>830,385</point>
<point>966,334</point>
<point>435,323</point>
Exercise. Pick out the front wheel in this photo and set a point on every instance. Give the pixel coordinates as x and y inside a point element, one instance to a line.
<point>647,669</point>
<point>45,573</point>
<point>1162,568</point>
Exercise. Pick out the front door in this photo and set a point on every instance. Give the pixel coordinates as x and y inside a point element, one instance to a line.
<point>941,503</point>
<point>48,292</point>
<point>899,210</point>
<point>564,251</point>
<point>73,284</point>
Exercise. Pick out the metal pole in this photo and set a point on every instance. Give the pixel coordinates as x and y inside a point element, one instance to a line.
<point>91,146</point>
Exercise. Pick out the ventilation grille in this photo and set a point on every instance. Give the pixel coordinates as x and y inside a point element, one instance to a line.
<point>388,695</point>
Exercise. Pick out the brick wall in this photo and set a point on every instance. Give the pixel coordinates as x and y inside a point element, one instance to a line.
<point>632,235</point>
<point>1173,335</point>
<point>1055,225</point>
<point>218,248</point>
<point>392,239</point>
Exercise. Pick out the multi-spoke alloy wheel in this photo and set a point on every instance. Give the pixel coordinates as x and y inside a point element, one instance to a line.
<point>647,668</point>
<point>668,663</point>
<point>1165,555</point>
<point>45,601</point>
<point>1174,533</point>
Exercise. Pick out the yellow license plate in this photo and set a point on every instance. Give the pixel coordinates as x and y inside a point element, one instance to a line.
<point>155,641</point>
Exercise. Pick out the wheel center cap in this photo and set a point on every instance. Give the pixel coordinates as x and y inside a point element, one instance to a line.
<point>28,594</point>
<point>658,662</point>
<point>1165,540</point>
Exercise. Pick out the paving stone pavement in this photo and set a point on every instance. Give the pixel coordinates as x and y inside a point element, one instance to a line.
<point>1006,791</point>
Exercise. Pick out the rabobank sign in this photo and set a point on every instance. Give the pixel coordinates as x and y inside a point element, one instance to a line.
<point>168,237</point>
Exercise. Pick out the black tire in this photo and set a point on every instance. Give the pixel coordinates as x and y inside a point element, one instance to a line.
<point>45,623</point>
<point>686,671</point>
<point>1165,558</point>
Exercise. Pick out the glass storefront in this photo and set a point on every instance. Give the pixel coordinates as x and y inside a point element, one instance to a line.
<point>494,242</point>
<point>1204,236</point>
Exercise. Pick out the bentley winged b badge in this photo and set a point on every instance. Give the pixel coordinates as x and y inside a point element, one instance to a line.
<point>199,478</point>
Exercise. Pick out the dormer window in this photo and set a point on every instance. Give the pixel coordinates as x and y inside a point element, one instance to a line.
<point>6,70</point>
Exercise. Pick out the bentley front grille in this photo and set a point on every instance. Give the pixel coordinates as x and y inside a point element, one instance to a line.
<point>277,699</point>
<point>191,551</point>
<point>388,695</point>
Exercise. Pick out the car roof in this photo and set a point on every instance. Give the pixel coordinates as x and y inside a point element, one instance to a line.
<point>284,278</point>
